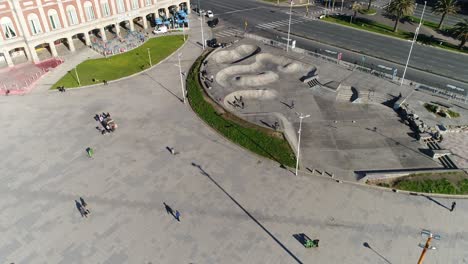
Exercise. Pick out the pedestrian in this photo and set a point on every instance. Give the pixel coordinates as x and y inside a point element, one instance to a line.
<point>172,151</point>
<point>7,92</point>
<point>242,104</point>
<point>85,205</point>
<point>177,215</point>
<point>83,212</point>
<point>90,152</point>
<point>453,206</point>
<point>292,104</point>
<point>212,78</point>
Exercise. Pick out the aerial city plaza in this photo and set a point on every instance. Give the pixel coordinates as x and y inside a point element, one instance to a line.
<point>247,131</point>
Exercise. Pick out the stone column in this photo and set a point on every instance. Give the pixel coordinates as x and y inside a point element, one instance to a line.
<point>33,53</point>
<point>8,59</point>
<point>145,22</point>
<point>117,28</point>
<point>188,7</point>
<point>53,50</point>
<point>87,39</point>
<point>71,45</point>
<point>63,15</point>
<point>103,34</point>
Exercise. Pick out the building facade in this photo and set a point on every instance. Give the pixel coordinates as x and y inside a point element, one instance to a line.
<point>28,25</point>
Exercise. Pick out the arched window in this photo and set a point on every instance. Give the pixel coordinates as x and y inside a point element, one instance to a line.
<point>89,10</point>
<point>120,6</point>
<point>7,27</point>
<point>34,24</point>
<point>148,2</point>
<point>72,17</point>
<point>54,19</point>
<point>105,8</point>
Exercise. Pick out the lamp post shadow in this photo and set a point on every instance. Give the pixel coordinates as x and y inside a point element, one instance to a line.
<point>365,244</point>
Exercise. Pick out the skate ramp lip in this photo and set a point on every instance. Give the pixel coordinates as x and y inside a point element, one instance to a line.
<point>262,72</point>
<point>235,55</point>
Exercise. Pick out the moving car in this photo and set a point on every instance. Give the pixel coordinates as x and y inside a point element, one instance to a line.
<point>213,23</point>
<point>209,13</point>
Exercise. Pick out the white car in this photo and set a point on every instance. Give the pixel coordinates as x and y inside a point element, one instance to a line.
<point>209,13</point>
<point>160,30</point>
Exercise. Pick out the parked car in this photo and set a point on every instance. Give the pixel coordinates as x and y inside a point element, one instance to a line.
<point>209,13</point>
<point>212,43</point>
<point>160,30</point>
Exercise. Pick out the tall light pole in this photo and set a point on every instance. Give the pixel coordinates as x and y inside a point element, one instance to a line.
<point>77,78</point>
<point>412,44</point>
<point>201,25</point>
<point>181,79</point>
<point>289,26</point>
<point>301,116</point>
<point>427,246</point>
<point>149,57</point>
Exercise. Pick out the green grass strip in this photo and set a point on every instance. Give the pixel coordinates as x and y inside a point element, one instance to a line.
<point>249,136</point>
<point>121,65</point>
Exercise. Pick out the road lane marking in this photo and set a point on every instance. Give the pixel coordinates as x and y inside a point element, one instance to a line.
<point>240,10</point>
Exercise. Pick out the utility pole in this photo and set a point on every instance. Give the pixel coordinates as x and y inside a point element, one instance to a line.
<point>149,57</point>
<point>412,43</point>
<point>427,246</point>
<point>201,25</point>
<point>181,79</point>
<point>301,116</point>
<point>77,78</point>
<point>289,26</point>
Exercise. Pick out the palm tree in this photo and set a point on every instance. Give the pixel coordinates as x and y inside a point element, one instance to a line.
<point>460,31</point>
<point>445,7</point>
<point>355,7</point>
<point>400,8</point>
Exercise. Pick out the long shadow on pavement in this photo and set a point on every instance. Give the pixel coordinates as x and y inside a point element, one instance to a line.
<point>165,88</point>
<point>365,244</point>
<point>203,172</point>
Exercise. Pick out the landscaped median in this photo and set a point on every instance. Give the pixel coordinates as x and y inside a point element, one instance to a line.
<point>112,68</point>
<point>437,182</point>
<point>259,140</point>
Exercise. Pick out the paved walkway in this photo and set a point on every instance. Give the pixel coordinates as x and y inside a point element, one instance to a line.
<point>234,208</point>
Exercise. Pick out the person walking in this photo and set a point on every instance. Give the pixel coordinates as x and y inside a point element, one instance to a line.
<point>85,205</point>
<point>453,206</point>
<point>90,152</point>
<point>177,215</point>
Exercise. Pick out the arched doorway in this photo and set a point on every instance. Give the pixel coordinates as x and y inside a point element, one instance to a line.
<point>18,55</point>
<point>44,51</point>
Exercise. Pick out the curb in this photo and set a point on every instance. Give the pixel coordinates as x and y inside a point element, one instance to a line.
<point>126,77</point>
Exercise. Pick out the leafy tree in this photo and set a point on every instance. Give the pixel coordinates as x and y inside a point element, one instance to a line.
<point>355,7</point>
<point>460,31</point>
<point>445,7</point>
<point>400,8</point>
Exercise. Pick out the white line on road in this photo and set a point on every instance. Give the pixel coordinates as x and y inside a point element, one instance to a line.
<point>240,10</point>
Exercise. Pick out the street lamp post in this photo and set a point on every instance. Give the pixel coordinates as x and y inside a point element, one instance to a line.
<point>289,26</point>
<point>412,44</point>
<point>427,245</point>
<point>149,57</point>
<point>301,116</point>
<point>181,79</point>
<point>77,78</point>
<point>201,25</point>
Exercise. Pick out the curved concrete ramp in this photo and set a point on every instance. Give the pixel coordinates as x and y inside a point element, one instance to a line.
<point>249,94</point>
<point>235,55</point>
<point>261,72</point>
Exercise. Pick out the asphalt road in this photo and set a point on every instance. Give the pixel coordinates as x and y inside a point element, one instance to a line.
<point>354,44</point>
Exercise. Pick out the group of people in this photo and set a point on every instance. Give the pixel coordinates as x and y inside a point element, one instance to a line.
<point>82,206</point>
<point>61,88</point>
<point>107,123</point>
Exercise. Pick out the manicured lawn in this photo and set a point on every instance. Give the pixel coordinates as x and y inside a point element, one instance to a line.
<point>444,183</point>
<point>254,138</point>
<point>370,25</point>
<point>125,64</point>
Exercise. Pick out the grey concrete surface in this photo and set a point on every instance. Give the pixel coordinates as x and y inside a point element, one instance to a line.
<point>239,209</point>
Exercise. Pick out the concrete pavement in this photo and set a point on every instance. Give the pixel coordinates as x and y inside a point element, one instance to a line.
<point>235,209</point>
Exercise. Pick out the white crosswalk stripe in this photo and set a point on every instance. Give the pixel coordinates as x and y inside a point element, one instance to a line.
<point>228,33</point>
<point>280,23</point>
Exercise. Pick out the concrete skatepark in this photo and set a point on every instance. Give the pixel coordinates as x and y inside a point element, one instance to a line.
<point>345,107</point>
<point>235,207</point>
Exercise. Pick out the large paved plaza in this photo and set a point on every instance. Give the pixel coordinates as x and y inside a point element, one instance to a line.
<point>235,207</point>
